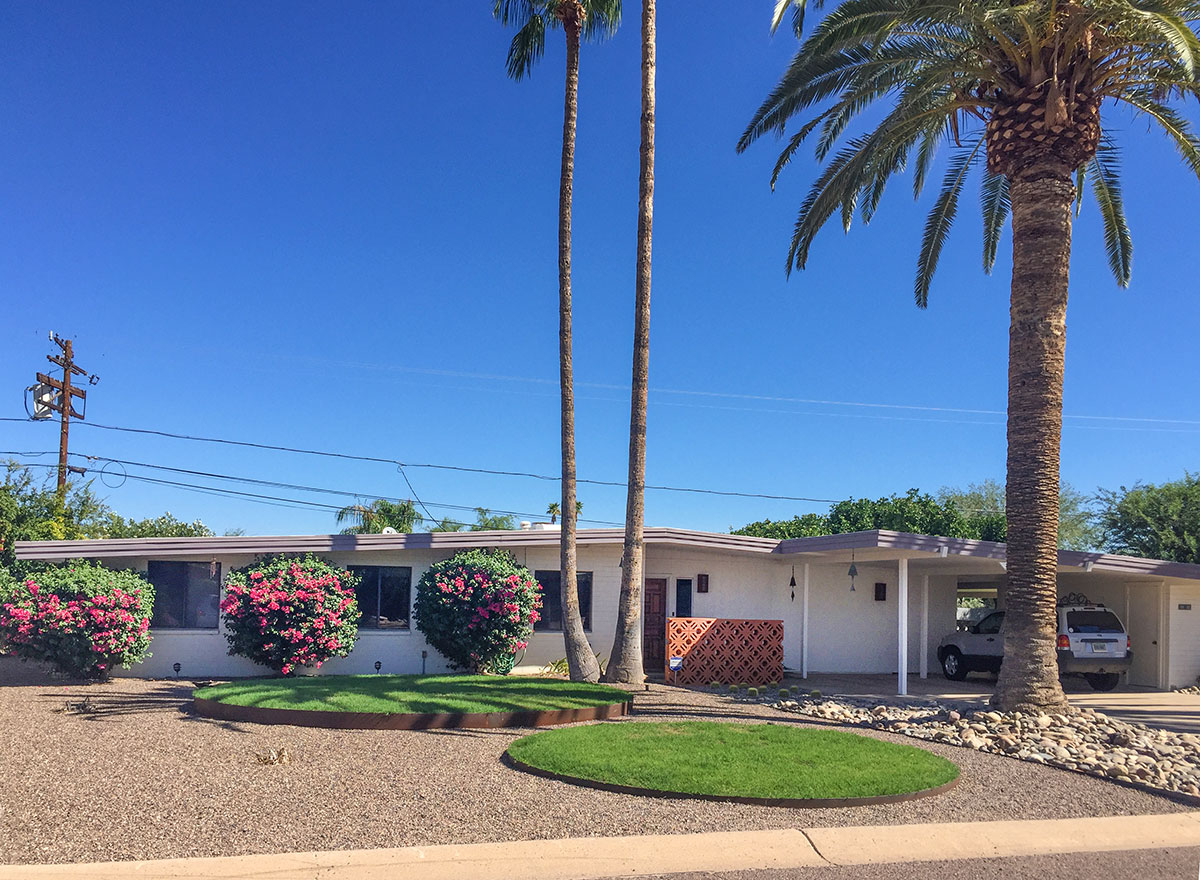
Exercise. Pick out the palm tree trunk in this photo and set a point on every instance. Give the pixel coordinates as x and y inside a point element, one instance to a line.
<point>581,661</point>
<point>1042,198</point>
<point>626,662</point>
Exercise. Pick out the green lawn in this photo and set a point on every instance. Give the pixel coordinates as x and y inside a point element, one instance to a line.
<point>734,760</point>
<point>413,693</point>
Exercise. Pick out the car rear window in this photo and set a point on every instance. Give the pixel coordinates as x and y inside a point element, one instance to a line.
<point>1093,622</point>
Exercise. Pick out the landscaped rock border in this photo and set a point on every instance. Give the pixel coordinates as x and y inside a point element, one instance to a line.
<point>409,721</point>
<point>1081,740</point>
<point>795,803</point>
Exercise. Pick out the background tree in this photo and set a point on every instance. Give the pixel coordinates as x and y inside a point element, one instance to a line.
<point>1020,85</point>
<point>380,514</point>
<point>486,521</point>
<point>165,526</point>
<point>1158,522</point>
<point>983,506</point>
<point>554,509</point>
<point>625,664</point>
<point>595,19</point>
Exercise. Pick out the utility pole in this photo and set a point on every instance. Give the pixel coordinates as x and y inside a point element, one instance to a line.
<point>58,400</point>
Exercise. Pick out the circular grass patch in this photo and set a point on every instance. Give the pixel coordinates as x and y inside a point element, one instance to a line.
<point>756,763</point>
<point>410,701</point>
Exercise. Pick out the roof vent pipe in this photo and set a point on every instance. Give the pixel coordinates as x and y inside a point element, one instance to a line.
<point>526,525</point>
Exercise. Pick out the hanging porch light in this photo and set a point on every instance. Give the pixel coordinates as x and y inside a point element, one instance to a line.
<point>792,584</point>
<point>853,572</point>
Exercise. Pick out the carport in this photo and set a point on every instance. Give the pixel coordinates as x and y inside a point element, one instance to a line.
<point>1158,601</point>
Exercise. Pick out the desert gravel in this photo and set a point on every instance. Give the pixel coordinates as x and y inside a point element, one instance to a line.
<point>123,770</point>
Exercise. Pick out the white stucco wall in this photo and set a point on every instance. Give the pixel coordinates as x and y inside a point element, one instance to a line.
<point>1184,640</point>
<point>203,653</point>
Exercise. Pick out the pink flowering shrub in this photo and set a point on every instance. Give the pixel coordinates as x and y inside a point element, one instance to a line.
<point>81,618</point>
<point>286,612</point>
<point>478,609</point>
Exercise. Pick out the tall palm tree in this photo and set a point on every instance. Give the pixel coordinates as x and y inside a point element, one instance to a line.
<point>625,663</point>
<point>1021,86</point>
<point>380,514</point>
<point>553,509</point>
<point>578,19</point>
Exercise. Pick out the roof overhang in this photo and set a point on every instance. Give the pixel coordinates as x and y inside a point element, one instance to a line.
<point>879,543</point>
<point>909,544</point>
<point>165,548</point>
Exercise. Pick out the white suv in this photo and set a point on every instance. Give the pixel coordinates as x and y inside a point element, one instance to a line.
<point>1091,642</point>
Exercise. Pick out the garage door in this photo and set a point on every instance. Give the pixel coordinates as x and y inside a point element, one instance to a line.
<point>1143,622</point>
<point>1184,611</point>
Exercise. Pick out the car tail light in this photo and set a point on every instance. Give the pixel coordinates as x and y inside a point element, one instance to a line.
<point>1128,644</point>
<point>1064,642</point>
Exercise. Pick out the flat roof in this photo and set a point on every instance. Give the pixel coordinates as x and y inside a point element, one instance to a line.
<point>903,543</point>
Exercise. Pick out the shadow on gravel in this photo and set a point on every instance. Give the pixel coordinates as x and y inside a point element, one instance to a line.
<point>100,706</point>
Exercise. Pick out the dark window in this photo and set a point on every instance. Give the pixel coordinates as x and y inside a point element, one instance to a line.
<point>383,594</point>
<point>552,614</point>
<point>187,595</point>
<point>1093,622</point>
<point>991,624</point>
<point>683,597</point>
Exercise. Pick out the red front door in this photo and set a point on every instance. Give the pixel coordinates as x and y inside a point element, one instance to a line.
<point>654,625</point>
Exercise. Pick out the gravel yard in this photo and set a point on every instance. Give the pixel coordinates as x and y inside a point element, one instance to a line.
<point>131,774</point>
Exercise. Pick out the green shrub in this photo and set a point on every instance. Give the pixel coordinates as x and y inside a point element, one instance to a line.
<point>752,693</point>
<point>286,612</point>
<point>816,695</point>
<point>478,609</point>
<point>82,618</point>
<point>784,693</point>
<point>714,684</point>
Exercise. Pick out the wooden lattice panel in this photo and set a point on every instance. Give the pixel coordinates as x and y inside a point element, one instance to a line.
<point>725,650</point>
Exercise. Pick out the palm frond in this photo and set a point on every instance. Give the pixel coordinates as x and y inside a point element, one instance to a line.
<point>528,45</point>
<point>941,218</point>
<point>797,8</point>
<point>996,206</point>
<point>1106,187</point>
<point>1172,122</point>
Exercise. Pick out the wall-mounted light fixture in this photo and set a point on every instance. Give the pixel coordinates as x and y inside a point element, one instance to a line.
<point>378,666</point>
<point>853,572</point>
<point>424,654</point>
<point>792,584</point>
<point>176,667</point>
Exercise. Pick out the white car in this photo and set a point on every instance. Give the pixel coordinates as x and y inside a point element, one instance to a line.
<point>1091,642</point>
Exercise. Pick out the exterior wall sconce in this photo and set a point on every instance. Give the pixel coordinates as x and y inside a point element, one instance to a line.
<point>792,583</point>
<point>378,666</point>
<point>853,572</point>
<point>424,654</point>
<point>176,667</point>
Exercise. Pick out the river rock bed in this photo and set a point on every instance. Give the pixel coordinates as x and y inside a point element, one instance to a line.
<point>1082,740</point>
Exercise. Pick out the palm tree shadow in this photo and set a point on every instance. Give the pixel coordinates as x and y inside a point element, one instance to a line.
<point>106,706</point>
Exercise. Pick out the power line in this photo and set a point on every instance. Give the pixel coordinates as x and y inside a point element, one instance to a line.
<point>495,377</point>
<point>282,485</point>
<point>448,467</point>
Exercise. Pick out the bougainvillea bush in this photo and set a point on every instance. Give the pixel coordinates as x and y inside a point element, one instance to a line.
<point>286,612</point>
<point>81,618</point>
<point>478,608</point>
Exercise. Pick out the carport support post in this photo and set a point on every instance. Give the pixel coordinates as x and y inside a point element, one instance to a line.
<point>925,626</point>
<point>902,631</point>
<point>804,628</point>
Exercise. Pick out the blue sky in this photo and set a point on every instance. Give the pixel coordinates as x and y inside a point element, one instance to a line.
<point>334,226</point>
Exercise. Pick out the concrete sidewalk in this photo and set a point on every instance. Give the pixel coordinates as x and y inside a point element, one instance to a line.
<point>599,857</point>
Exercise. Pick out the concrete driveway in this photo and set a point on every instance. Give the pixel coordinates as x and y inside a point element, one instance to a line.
<point>1164,709</point>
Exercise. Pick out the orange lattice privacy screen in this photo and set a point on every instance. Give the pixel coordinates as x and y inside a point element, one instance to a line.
<point>725,650</point>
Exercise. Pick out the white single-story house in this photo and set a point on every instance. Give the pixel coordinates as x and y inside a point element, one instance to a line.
<point>888,620</point>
